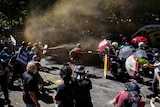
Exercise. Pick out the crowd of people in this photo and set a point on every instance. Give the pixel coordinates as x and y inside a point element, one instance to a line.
<point>134,64</point>
<point>75,91</point>
<point>23,63</point>
<point>146,60</point>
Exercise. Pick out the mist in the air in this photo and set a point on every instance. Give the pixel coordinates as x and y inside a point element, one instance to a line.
<point>69,22</point>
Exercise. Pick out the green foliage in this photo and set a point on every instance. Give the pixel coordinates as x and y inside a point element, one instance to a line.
<point>13,13</point>
<point>117,15</point>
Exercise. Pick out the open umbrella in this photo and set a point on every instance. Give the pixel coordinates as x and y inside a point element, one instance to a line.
<point>141,53</point>
<point>125,52</point>
<point>138,39</point>
<point>131,66</point>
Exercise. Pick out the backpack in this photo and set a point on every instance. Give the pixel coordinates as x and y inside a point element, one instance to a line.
<point>130,102</point>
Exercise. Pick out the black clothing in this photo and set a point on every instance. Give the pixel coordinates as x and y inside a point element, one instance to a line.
<point>3,79</point>
<point>30,84</point>
<point>39,78</point>
<point>65,94</point>
<point>82,94</point>
<point>154,86</point>
<point>75,94</point>
<point>3,83</point>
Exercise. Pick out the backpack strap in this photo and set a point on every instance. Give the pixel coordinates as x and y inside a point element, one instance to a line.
<point>130,102</point>
<point>136,101</point>
<point>129,95</point>
<point>125,103</point>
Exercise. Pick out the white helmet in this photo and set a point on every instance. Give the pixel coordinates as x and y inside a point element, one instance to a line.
<point>141,44</point>
<point>115,44</point>
<point>78,45</point>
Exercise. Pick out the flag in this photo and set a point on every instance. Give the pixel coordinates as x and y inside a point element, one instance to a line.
<point>12,40</point>
<point>104,43</point>
<point>22,57</point>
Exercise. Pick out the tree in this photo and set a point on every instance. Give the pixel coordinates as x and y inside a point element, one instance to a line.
<point>89,18</point>
<point>13,13</point>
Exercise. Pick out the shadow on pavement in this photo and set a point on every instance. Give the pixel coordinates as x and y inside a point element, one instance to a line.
<point>3,103</point>
<point>46,98</point>
<point>15,88</point>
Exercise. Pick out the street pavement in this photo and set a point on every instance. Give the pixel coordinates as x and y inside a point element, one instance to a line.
<point>102,93</point>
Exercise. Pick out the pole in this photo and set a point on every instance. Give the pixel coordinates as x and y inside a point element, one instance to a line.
<point>105,65</point>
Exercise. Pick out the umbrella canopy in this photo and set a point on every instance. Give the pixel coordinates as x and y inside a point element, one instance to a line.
<point>125,52</point>
<point>131,66</point>
<point>138,39</point>
<point>104,43</point>
<point>141,53</point>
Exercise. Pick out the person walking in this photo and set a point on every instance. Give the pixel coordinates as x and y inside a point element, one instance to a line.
<point>4,70</point>
<point>30,84</point>
<point>76,54</point>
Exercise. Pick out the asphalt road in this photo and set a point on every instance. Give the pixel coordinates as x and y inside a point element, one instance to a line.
<point>102,93</point>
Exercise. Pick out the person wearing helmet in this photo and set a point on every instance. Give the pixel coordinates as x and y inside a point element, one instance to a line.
<point>156,77</point>
<point>141,52</point>
<point>132,91</point>
<point>5,54</point>
<point>80,72</point>
<point>114,49</point>
<point>75,54</point>
<point>84,85</point>
<point>141,45</point>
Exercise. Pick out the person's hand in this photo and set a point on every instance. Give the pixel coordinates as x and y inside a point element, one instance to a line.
<point>38,105</point>
<point>40,86</point>
<point>145,65</point>
<point>152,101</point>
<point>157,99</point>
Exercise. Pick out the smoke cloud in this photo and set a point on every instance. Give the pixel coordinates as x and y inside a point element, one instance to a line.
<point>71,21</point>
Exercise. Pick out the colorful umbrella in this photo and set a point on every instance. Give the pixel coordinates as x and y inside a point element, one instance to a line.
<point>138,39</point>
<point>132,66</point>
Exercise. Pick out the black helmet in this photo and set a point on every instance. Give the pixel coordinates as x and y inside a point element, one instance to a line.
<point>80,69</point>
<point>133,87</point>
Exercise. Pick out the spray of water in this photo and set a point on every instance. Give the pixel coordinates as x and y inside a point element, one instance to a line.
<point>70,21</point>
